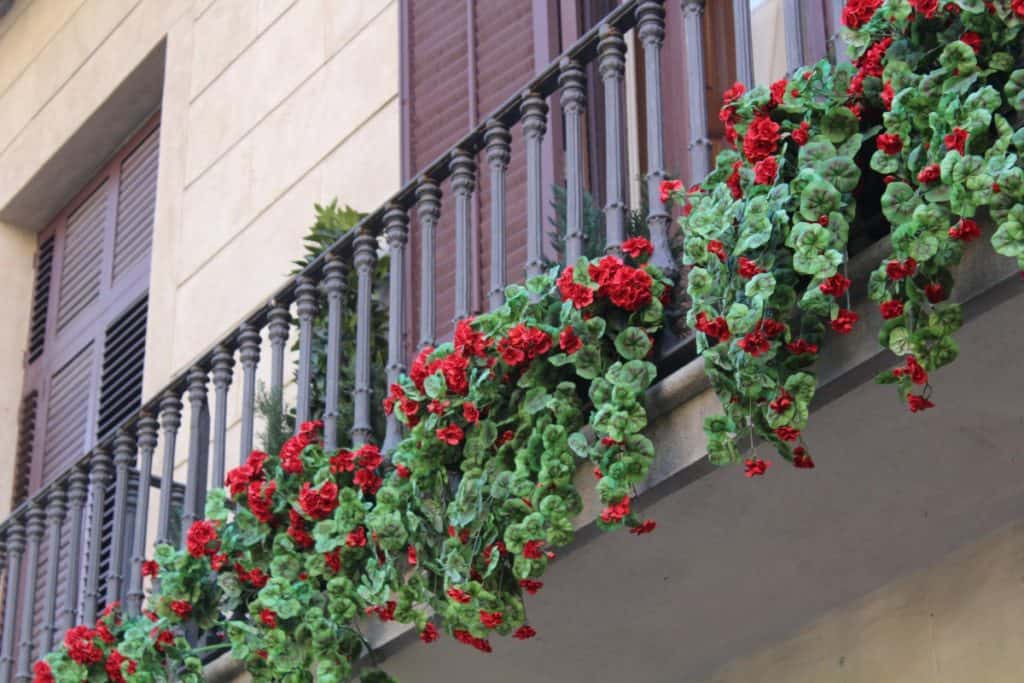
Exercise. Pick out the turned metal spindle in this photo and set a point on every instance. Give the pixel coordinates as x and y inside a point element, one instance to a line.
<point>170,422</point>
<point>56,509</point>
<point>334,285</point>
<point>100,471</point>
<point>743,37</point>
<point>222,371</point>
<point>278,326</point>
<point>572,80</point>
<point>146,433</point>
<point>428,208</point>
<point>15,541</point>
<point>612,66</point>
<point>124,459</point>
<point>793,34</point>
<point>34,528</point>
<point>249,356</point>
<point>497,139</point>
<point>364,257</point>
<point>651,30</point>
<point>652,16</point>
<point>396,231</point>
<point>535,123</point>
<point>78,491</point>
<point>305,309</point>
<point>198,449</point>
<point>463,169</point>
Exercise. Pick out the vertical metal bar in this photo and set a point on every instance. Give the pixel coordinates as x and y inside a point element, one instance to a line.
<point>794,35</point>
<point>124,459</point>
<point>56,509</point>
<point>198,450</point>
<point>572,80</point>
<point>744,42</point>
<point>463,168</point>
<point>497,141</point>
<point>652,16</point>
<point>223,371</point>
<point>15,539</point>
<point>365,257</point>
<point>396,230</point>
<point>35,527</point>
<point>834,22</point>
<point>612,65</point>
<point>170,421</point>
<point>334,285</point>
<point>535,123</point>
<point>99,476</point>
<point>428,208</point>
<point>305,308</point>
<point>277,331</point>
<point>77,492</point>
<point>146,432</point>
<point>249,355</point>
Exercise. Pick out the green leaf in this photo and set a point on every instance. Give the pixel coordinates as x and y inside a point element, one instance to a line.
<point>839,124</point>
<point>633,343</point>
<point>818,199</point>
<point>435,386</point>
<point>899,202</point>
<point>899,341</point>
<point>761,285</point>
<point>841,171</point>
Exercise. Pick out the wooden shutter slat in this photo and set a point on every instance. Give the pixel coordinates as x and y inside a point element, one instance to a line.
<point>123,359</point>
<point>82,262</point>
<point>40,300</point>
<point>26,441</point>
<point>136,205</point>
<point>67,413</point>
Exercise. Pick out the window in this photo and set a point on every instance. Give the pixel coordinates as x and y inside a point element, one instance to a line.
<point>87,332</point>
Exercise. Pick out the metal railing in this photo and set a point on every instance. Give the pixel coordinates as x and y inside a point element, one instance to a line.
<point>60,508</point>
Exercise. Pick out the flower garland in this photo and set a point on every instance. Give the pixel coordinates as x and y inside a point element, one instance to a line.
<point>448,534</point>
<point>926,111</point>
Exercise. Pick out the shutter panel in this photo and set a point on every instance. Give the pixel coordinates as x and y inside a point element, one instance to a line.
<point>67,409</point>
<point>82,262</point>
<point>124,353</point>
<point>40,300</point>
<point>23,448</point>
<point>136,204</point>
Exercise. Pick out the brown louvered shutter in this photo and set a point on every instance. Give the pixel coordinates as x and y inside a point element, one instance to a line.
<point>124,350</point>
<point>25,443</point>
<point>136,202</point>
<point>67,413</point>
<point>40,300</point>
<point>81,268</point>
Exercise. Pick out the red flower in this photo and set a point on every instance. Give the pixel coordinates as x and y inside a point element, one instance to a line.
<point>459,595</point>
<point>291,453</point>
<point>470,412</point>
<point>626,287</point>
<point>200,535</point>
<point>926,8</point>
<point>835,286</point>
<point>957,140</point>
<point>333,561</point>
<point>217,562</point>
<point>890,143</point>
<point>491,619</point>
<point>891,309</point>
<point>80,646</point>
<point>765,171</point>
<point>531,586</point>
<point>150,568</point>
<point>787,433</point>
<point>260,500</point>
<point>455,368</point>
<point>856,13</point>
<point>429,634</point>
<point>754,343</point>
<point>747,268</point>
<point>419,370</point>
<point>897,270</point>
<point>568,341</point>
<point>42,672</point>
<point>532,550</point>
<point>268,618</point>
<point>368,456</point>
<point>115,668</point>
<point>410,555</point>
<point>343,461</point>
<point>403,471</point>
<point>1018,7</point>
<point>781,403</point>
<point>972,39</point>
<point>778,90</point>
<point>935,292</point>
<point>638,247</point>
<point>667,188</point>
<point>801,460</point>
<point>385,612</point>
<point>468,341</point>
<point>524,632</point>
<point>523,344</point>
<point>182,608</point>
<point>356,538</point>
<point>929,174</point>
<point>504,437</point>
<point>318,503</point>
<point>800,347</point>
<point>733,181</point>
<point>468,638</point>
<point>718,249</point>
<point>887,95</point>
<point>918,403</point>
<point>762,138</point>
<point>239,478</point>
<point>843,322</point>
<point>802,134</point>
<point>367,480</point>
<point>717,328</point>
<point>966,230</point>
<point>645,527</point>
<point>614,513</point>
<point>769,327</point>
<point>733,93</point>
<point>581,296</point>
<point>755,467</point>
<point>451,435</point>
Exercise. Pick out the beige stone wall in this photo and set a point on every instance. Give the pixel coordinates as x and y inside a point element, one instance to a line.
<point>961,621</point>
<point>267,107</point>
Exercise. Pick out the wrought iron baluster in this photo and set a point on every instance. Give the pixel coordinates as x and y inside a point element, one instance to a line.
<point>334,284</point>
<point>222,371</point>
<point>744,42</point>
<point>305,309</point>
<point>463,169</point>
<point>198,449</point>
<point>100,471</point>
<point>697,111</point>
<point>364,256</point>
<point>572,80</point>
<point>794,34</point>
<point>146,432</point>
<point>535,123</point>
<point>170,422</point>
<point>56,509</point>
<point>497,141</point>
<point>277,331</point>
<point>428,208</point>
<point>612,65</point>
<point>15,542</point>
<point>124,459</point>
<point>34,528</point>
<point>249,355</point>
<point>77,492</point>
<point>396,230</point>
